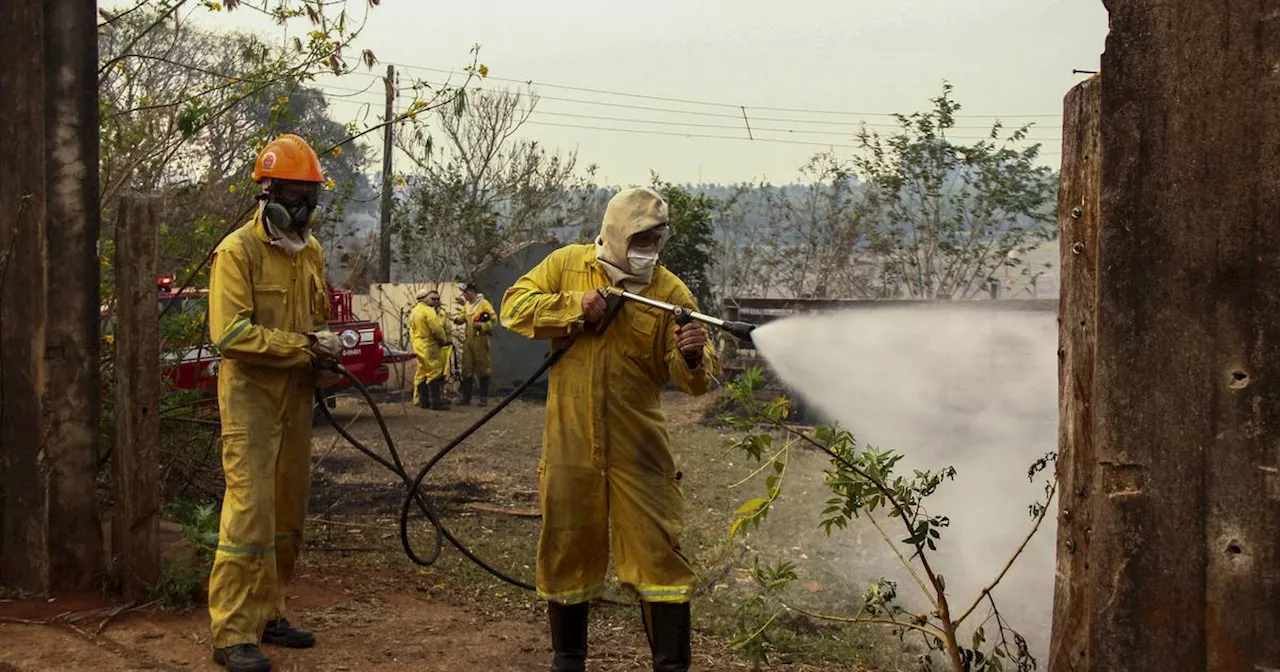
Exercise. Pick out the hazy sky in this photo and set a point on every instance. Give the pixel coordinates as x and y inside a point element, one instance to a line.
<point>853,57</point>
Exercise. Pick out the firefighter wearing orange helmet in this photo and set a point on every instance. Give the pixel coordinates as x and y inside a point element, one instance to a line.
<point>268,316</point>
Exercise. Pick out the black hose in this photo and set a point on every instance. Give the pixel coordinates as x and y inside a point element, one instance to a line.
<point>414,493</point>
<point>395,466</point>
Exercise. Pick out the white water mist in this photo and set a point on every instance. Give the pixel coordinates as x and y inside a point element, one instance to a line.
<point>967,387</point>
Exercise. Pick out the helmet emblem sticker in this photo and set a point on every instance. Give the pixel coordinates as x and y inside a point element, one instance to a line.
<point>269,160</point>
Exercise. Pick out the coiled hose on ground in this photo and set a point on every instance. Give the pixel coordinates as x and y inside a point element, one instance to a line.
<point>413,494</point>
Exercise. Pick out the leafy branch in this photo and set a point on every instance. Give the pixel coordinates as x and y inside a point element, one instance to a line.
<point>862,481</point>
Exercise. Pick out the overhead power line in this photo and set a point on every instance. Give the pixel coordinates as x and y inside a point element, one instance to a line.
<point>698,113</point>
<point>690,135</point>
<point>741,127</point>
<point>701,134</point>
<point>844,130</point>
<point>741,138</point>
<point>733,106</point>
<point>852,126</point>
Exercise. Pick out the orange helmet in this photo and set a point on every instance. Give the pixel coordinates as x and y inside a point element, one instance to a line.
<point>288,157</point>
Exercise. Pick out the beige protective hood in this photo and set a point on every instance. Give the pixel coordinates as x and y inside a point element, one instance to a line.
<point>629,212</point>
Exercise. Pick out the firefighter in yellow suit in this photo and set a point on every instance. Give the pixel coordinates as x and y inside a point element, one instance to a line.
<point>426,330</point>
<point>478,317</point>
<point>456,325</point>
<point>446,351</point>
<point>607,479</point>
<point>268,311</point>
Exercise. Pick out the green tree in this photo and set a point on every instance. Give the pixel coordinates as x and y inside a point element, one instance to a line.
<point>478,189</point>
<point>184,111</point>
<point>943,217</point>
<point>688,252</point>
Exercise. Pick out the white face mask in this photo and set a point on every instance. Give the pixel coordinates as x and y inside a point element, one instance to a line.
<point>641,263</point>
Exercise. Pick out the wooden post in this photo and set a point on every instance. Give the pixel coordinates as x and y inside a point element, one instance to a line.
<point>136,515</point>
<point>49,298</point>
<point>1181,471</point>
<point>24,557</point>
<point>384,226</point>
<point>73,297</point>
<point>1077,321</point>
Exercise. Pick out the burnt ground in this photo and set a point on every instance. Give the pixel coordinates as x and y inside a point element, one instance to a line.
<point>373,609</point>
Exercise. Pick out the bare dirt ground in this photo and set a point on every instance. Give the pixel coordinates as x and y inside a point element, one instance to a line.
<point>373,609</point>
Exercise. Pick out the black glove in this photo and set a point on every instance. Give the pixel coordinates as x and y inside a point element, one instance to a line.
<point>484,317</point>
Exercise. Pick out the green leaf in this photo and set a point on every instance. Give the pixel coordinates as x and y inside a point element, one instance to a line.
<point>751,506</point>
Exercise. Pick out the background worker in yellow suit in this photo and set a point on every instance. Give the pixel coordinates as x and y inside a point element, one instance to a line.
<point>607,475</point>
<point>479,317</point>
<point>268,311</point>
<point>457,328</point>
<point>446,350</point>
<point>426,331</point>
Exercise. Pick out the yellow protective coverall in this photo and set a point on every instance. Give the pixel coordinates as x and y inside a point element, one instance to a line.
<point>426,332</point>
<point>262,303</point>
<point>606,457</point>
<point>476,360</point>
<point>446,351</point>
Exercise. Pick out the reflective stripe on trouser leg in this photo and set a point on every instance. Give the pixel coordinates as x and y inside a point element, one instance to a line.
<point>293,487</point>
<point>647,513</point>
<point>573,547</point>
<point>242,585</point>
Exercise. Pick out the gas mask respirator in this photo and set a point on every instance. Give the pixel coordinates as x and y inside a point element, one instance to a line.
<point>289,208</point>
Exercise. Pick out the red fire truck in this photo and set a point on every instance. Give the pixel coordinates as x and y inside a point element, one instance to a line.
<point>365,354</point>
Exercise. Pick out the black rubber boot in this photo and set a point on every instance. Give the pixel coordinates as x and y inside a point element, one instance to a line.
<point>242,658</point>
<point>668,627</point>
<point>438,402</point>
<point>280,633</point>
<point>568,636</point>
<point>467,384</point>
<point>484,391</point>
<point>424,395</point>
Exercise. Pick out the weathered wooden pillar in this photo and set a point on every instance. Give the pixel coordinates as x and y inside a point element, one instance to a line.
<point>73,391</point>
<point>24,560</point>
<point>50,539</point>
<point>1078,192</point>
<point>135,530</point>
<point>1173,448</point>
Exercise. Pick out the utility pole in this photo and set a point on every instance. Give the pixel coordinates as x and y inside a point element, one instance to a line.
<point>384,230</point>
<point>1169,384</point>
<point>50,536</point>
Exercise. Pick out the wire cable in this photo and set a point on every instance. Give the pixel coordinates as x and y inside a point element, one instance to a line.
<point>734,106</point>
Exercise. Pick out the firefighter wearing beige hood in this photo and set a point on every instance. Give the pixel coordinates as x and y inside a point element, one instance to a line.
<point>606,459</point>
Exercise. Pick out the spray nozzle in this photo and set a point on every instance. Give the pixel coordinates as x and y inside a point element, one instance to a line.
<point>742,330</point>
